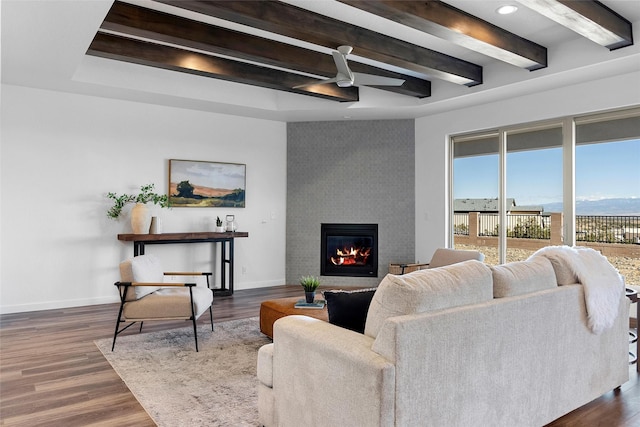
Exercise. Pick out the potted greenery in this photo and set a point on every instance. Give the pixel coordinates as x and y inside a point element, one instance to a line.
<point>140,216</point>
<point>219,227</point>
<point>310,284</point>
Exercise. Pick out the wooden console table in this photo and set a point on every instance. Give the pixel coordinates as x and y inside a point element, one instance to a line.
<point>225,239</point>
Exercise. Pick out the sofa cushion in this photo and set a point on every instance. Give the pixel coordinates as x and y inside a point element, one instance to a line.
<point>348,309</point>
<point>459,284</point>
<point>522,277</point>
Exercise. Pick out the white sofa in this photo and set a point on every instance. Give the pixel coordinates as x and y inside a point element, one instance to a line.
<point>439,350</point>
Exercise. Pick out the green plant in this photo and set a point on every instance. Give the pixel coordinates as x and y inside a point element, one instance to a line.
<point>309,283</point>
<point>145,195</point>
<point>218,222</point>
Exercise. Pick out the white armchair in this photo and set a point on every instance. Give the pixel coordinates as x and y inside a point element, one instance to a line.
<point>145,296</point>
<point>445,256</point>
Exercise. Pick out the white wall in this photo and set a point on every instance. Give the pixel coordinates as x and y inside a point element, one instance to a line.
<point>61,153</point>
<point>432,135</point>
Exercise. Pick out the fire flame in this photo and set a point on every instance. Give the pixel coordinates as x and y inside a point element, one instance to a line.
<point>351,256</point>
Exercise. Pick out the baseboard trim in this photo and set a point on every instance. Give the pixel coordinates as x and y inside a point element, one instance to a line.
<point>255,285</point>
<point>52,305</point>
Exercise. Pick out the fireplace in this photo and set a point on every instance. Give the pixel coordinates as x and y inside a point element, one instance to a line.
<point>349,250</point>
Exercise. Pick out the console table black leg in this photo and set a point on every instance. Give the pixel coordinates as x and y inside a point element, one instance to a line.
<point>223,266</point>
<point>138,248</point>
<point>231,266</point>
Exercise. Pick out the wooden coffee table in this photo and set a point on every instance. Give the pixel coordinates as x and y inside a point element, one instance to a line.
<point>274,309</point>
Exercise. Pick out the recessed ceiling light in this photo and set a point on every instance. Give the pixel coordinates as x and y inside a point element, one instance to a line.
<point>507,9</point>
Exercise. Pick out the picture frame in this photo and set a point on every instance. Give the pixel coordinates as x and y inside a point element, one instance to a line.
<point>206,184</point>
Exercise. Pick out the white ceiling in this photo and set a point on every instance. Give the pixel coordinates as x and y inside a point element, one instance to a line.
<point>44,43</point>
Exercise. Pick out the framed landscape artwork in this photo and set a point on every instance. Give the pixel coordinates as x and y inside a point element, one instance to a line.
<point>194,183</point>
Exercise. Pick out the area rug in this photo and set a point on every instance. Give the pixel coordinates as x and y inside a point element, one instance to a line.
<point>178,386</point>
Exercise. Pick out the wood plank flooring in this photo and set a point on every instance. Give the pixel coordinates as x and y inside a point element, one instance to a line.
<point>52,374</point>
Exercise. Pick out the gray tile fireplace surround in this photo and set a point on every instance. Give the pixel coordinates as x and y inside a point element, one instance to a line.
<point>349,172</point>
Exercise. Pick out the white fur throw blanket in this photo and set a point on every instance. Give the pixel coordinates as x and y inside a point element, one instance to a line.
<point>603,285</point>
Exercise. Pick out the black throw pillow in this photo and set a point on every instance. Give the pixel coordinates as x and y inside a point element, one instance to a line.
<point>348,309</point>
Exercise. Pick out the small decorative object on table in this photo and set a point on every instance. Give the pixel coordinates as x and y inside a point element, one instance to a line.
<point>219,227</point>
<point>316,304</point>
<point>232,225</point>
<point>310,284</point>
<point>156,225</point>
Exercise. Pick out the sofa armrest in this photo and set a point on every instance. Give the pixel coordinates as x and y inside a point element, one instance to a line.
<point>265,365</point>
<point>327,375</point>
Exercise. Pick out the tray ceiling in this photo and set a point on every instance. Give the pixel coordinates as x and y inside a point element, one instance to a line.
<point>443,51</point>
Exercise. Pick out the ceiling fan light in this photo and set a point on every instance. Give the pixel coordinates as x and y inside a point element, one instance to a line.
<point>507,9</point>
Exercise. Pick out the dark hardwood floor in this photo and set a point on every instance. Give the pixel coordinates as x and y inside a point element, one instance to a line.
<point>52,374</point>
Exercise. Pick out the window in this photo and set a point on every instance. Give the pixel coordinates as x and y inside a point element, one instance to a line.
<point>533,184</point>
<point>475,173</point>
<point>520,188</point>
<point>607,188</point>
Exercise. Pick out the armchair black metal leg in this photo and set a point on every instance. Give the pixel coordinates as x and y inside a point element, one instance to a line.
<point>121,330</point>
<point>195,332</point>
<point>141,323</point>
<point>193,317</point>
<point>211,315</point>
<point>115,334</point>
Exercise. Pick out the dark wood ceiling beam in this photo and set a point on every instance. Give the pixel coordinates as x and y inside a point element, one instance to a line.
<point>590,19</point>
<point>298,23</point>
<point>456,26</point>
<point>171,58</point>
<point>138,21</point>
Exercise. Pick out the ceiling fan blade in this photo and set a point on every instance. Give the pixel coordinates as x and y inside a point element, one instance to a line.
<point>341,63</point>
<point>317,82</point>
<point>361,79</point>
<point>346,78</point>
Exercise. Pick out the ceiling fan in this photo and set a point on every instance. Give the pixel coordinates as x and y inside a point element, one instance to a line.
<point>347,78</point>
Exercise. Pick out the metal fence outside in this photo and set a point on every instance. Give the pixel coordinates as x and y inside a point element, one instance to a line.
<point>601,229</point>
<point>461,224</point>
<point>608,229</point>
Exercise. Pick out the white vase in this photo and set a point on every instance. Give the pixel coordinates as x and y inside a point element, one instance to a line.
<point>140,219</point>
<point>156,225</point>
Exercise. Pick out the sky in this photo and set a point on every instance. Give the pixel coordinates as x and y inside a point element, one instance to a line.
<point>603,171</point>
<point>208,174</point>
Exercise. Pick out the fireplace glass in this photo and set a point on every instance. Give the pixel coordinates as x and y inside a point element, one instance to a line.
<point>349,250</point>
